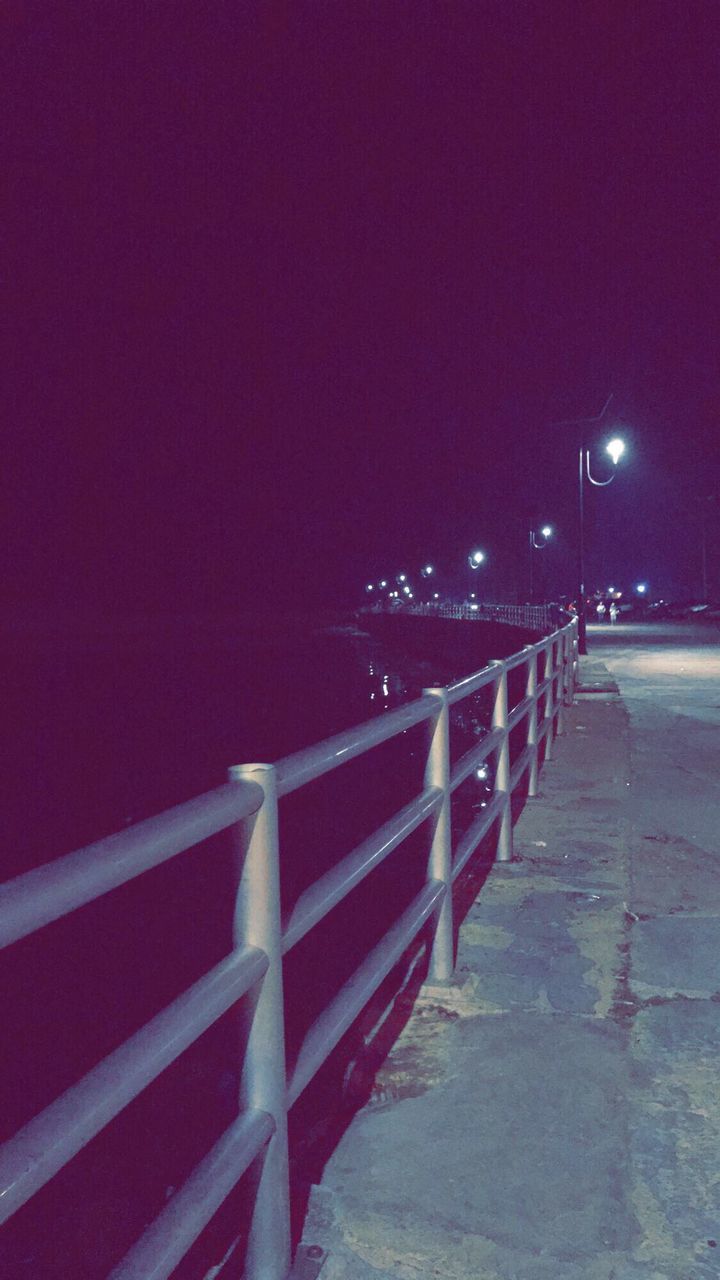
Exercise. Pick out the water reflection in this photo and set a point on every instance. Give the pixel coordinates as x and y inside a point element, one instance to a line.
<point>388,688</point>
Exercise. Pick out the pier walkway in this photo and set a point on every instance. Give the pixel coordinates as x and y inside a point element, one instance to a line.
<point>554,1113</point>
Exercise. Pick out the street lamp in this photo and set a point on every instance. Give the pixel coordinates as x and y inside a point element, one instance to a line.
<point>537,545</point>
<point>426,573</point>
<point>475,559</point>
<point>615,448</point>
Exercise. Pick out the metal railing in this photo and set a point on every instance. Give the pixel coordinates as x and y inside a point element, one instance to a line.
<point>247,806</point>
<point>536,617</point>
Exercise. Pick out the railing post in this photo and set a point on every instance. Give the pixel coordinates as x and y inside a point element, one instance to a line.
<point>573,649</point>
<point>558,650</point>
<point>532,724</point>
<point>263,1083</point>
<point>567,667</point>
<point>549,700</point>
<point>502,766</point>
<point>437,774</point>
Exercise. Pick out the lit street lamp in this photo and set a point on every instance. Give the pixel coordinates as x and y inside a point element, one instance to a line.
<point>427,573</point>
<point>615,448</point>
<point>537,545</point>
<point>475,559</point>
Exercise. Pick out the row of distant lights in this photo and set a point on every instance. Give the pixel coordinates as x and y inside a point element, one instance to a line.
<point>641,589</point>
<point>475,559</point>
<point>401,579</point>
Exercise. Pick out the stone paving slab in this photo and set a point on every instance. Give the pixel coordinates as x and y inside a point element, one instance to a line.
<point>517,1169</point>
<point>678,954</point>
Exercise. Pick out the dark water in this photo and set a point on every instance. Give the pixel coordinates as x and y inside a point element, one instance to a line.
<point>104,729</point>
<point>109,727</point>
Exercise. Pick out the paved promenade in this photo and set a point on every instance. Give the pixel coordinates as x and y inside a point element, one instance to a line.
<point>555,1114</point>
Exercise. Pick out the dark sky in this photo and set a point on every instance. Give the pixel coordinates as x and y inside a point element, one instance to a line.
<point>296,290</point>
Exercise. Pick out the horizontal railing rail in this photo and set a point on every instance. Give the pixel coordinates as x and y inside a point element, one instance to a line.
<point>54,1136</point>
<point>54,890</point>
<point>247,807</point>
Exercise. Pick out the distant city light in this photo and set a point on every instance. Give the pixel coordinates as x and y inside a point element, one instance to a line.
<point>641,588</point>
<point>610,590</point>
<point>401,577</point>
<point>474,606</point>
<point>616,449</point>
<point>383,584</point>
<point>369,586</point>
<point>406,590</point>
<point>427,571</point>
<point>436,595</point>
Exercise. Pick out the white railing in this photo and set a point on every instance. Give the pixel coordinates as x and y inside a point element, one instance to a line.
<point>535,617</point>
<point>247,807</point>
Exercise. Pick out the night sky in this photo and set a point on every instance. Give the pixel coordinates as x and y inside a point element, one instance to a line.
<point>295,292</point>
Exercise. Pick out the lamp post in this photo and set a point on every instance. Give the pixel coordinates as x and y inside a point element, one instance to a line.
<point>535,545</point>
<point>615,448</point>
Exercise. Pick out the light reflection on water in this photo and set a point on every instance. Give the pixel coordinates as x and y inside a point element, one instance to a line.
<point>470,720</point>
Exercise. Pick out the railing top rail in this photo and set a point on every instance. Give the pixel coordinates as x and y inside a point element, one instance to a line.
<point>304,766</point>
<point>470,684</point>
<point>56,888</point>
<point>518,659</point>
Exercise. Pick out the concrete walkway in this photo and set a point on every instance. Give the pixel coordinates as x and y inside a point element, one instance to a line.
<point>555,1115</point>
